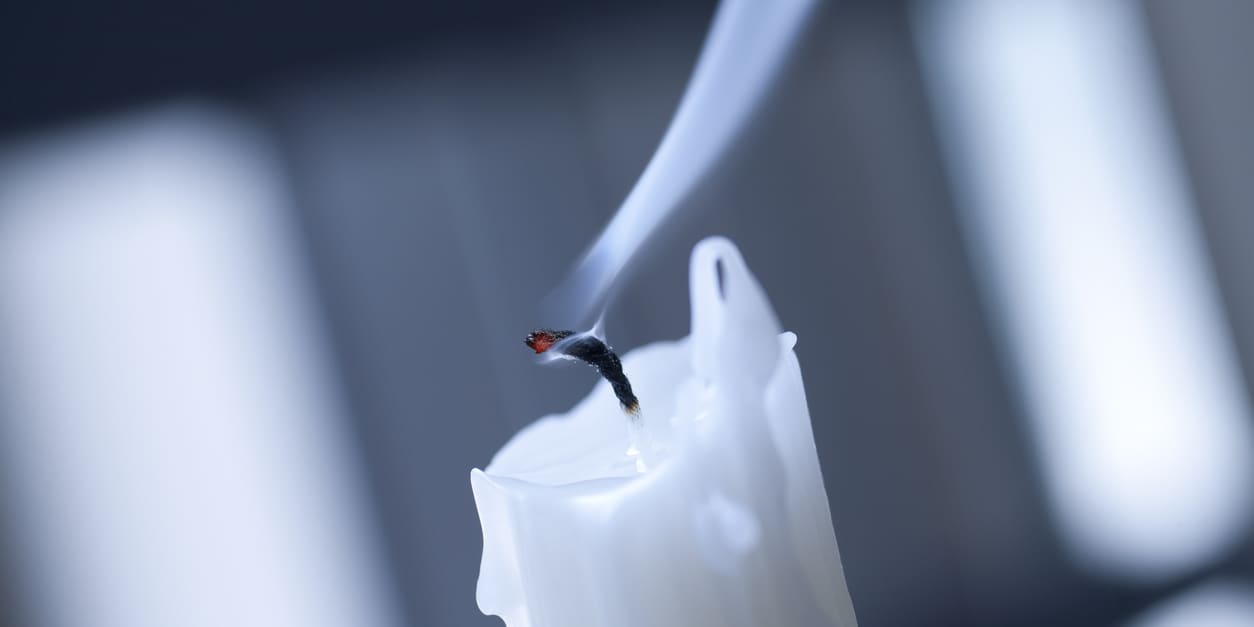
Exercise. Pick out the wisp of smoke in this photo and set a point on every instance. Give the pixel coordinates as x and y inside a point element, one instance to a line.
<point>747,44</point>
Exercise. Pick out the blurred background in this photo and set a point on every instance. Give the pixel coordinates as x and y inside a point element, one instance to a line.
<point>265,271</point>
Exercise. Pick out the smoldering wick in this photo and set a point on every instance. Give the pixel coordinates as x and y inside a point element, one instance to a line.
<point>592,351</point>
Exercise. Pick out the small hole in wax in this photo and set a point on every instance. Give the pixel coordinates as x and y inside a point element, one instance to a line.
<point>719,276</point>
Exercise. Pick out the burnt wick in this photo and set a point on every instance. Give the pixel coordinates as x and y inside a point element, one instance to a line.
<point>592,351</point>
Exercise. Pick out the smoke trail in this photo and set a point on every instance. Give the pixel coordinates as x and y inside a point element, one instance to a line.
<point>746,45</point>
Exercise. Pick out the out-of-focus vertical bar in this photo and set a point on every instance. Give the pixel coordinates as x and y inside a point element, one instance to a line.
<point>1204,49</point>
<point>1076,210</point>
<point>170,448</point>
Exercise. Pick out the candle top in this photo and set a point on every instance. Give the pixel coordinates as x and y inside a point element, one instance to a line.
<point>733,347</point>
<point>733,482</point>
<point>589,442</point>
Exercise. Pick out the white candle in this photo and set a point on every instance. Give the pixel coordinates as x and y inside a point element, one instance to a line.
<point>728,526</point>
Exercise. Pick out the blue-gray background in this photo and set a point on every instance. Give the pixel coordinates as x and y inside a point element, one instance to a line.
<point>449,162</point>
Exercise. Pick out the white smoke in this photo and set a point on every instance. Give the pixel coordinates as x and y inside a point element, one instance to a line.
<point>747,44</point>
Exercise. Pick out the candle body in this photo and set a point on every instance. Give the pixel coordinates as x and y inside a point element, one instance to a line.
<point>729,526</point>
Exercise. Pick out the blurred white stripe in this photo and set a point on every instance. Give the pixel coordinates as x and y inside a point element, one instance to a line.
<point>1077,210</point>
<point>171,447</point>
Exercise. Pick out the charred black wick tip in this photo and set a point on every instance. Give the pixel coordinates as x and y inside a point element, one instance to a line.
<point>595,353</point>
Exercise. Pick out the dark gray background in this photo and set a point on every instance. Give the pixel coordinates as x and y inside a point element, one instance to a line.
<point>450,161</point>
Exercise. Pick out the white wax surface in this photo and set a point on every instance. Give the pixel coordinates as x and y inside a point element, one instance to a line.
<point>729,526</point>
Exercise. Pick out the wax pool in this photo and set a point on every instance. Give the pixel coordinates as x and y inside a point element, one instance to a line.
<point>728,526</point>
